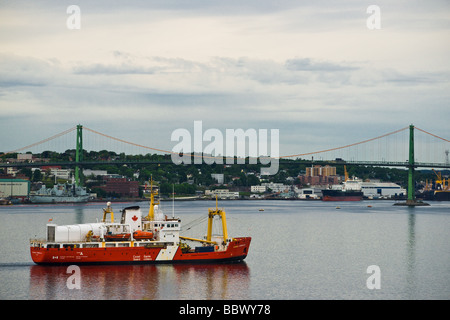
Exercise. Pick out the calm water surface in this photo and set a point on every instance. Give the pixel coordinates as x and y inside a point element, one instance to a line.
<point>299,250</point>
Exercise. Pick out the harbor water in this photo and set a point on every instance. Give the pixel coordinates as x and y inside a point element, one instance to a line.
<point>299,250</point>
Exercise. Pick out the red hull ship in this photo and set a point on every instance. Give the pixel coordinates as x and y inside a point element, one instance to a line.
<point>71,254</point>
<point>136,239</point>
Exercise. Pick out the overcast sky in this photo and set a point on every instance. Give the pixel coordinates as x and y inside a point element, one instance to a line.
<point>138,70</point>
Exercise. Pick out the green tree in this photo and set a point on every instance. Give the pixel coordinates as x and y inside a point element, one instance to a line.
<point>37,175</point>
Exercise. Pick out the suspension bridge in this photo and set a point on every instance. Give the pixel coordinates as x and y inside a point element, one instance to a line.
<point>409,147</point>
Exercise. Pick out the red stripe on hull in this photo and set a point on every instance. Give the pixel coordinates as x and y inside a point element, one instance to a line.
<point>92,255</point>
<point>237,250</point>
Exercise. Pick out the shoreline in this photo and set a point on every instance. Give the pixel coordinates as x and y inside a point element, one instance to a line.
<point>124,200</point>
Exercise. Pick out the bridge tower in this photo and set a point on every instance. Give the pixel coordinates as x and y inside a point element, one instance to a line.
<point>79,153</point>
<point>411,184</point>
<point>411,201</point>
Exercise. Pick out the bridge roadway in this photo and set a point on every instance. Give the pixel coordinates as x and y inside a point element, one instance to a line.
<point>163,162</point>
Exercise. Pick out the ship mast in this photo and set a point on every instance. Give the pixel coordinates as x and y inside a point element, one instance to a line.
<point>221,214</point>
<point>108,210</point>
<point>211,214</point>
<point>151,211</point>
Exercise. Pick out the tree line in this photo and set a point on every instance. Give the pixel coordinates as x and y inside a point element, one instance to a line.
<point>189,178</point>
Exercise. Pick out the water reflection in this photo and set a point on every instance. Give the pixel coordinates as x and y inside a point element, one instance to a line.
<point>411,254</point>
<point>79,215</point>
<point>178,281</point>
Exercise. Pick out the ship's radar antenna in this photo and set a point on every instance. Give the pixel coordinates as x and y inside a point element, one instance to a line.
<point>107,210</point>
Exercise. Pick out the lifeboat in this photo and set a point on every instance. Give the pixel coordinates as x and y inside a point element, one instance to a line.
<point>142,235</point>
<point>118,237</point>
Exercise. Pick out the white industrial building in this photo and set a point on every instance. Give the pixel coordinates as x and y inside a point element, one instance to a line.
<point>57,172</point>
<point>276,187</point>
<point>381,189</point>
<point>61,173</point>
<point>222,194</point>
<point>308,193</point>
<point>258,189</point>
<point>15,188</point>
<point>89,172</point>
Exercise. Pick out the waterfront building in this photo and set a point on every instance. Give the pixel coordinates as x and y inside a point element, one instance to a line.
<point>222,194</point>
<point>308,193</point>
<point>258,189</point>
<point>276,187</point>
<point>382,189</point>
<point>14,188</point>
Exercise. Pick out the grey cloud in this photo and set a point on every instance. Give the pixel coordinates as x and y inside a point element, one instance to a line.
<point>418,78</point>
<point>25,71</point>
<point>113,69</point>
<point>186,81</point>
<point>307,64</point>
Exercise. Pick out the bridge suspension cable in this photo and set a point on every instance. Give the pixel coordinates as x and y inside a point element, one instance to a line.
<point>127,142</point>
<point>142,146</point>
<point>432,134</point>
<point>281,157</point>
<point>346,146</point>
<point>43,141</point>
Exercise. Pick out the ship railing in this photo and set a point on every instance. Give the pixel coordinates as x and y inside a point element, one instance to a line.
<point>37,242</point>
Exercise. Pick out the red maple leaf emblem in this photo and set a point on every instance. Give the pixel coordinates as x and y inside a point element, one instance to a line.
<point>134,218</point>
